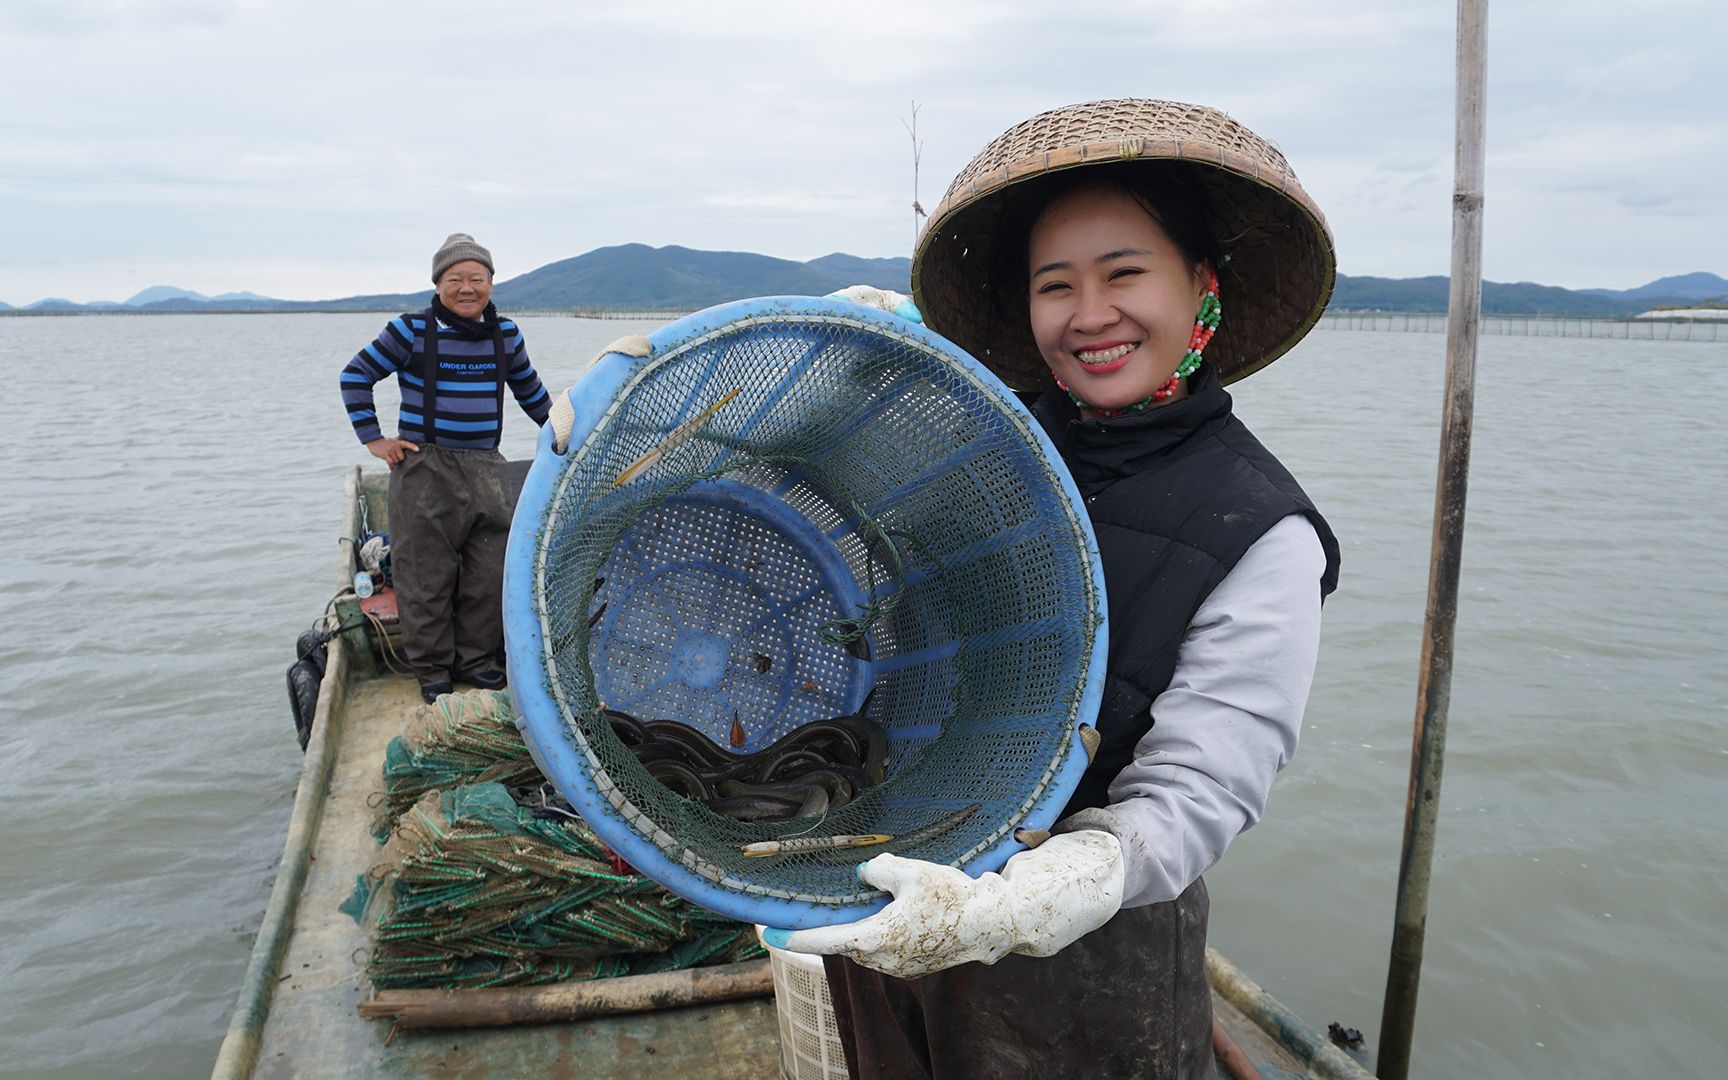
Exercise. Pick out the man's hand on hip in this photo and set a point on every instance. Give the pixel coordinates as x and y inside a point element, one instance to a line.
<point>392,451</point>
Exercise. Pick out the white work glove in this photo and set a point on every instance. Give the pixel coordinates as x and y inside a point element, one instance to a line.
<point>1043,900</point>
<point>884,299</point>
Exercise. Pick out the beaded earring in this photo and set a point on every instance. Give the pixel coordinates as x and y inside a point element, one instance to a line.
<point>1205,325</point>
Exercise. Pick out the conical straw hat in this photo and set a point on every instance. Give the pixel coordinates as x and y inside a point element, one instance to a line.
<point>1279,266</point>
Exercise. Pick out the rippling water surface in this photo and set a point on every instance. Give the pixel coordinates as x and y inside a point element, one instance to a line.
<point>172,506</point>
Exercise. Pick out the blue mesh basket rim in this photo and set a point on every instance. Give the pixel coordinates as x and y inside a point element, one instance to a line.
<point>559,751</point>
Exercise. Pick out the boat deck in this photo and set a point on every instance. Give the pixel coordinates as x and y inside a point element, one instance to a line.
<point>296,1014</point>
<point>311,1028</point>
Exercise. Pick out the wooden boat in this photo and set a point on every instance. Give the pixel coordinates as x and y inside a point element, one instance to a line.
<point>298,1012</point>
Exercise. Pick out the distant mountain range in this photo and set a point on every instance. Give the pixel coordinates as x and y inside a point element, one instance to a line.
<point>157,293</point>
<point>1700,286</point>
<point>636,277</point>
<point>1428,294</point>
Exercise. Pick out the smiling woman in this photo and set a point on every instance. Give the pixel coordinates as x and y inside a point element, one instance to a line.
<point>1075,256</point>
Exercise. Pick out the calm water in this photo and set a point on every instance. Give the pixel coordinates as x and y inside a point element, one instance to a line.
<point>172,512</point>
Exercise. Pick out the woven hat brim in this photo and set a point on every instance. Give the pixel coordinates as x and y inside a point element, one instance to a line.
<point>1275,284</point>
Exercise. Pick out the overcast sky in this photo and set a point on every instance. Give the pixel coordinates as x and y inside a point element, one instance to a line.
<point>308,149</point>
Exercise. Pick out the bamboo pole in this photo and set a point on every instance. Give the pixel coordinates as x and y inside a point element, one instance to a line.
<point>1434,690</point>
<point>564,1002</point>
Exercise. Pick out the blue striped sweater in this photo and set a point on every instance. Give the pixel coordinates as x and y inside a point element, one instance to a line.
<point>469,400</point>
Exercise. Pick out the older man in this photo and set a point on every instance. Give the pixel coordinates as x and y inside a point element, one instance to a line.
<point>449,514</point>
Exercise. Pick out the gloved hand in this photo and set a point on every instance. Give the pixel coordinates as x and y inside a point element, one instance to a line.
<point>1042,900</point>
<point>886,299</point>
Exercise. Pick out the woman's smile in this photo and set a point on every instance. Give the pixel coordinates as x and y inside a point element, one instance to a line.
<point>1101,359</point>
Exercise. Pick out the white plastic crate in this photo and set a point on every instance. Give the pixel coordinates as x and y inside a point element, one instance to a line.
<point>809,1041</point>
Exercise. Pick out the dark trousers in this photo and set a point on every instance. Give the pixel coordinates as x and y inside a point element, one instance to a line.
<point>449,523</point>
<point>1129,999</point>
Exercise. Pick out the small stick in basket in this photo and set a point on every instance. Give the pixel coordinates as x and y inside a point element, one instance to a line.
<point>796,844</point>
<point>672,441</point>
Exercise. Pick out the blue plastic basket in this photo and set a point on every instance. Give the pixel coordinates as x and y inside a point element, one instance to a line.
<point>792,509</point>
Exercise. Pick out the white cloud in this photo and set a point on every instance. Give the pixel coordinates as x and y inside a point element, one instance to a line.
<point>102,18</point>
<point>314,147</point>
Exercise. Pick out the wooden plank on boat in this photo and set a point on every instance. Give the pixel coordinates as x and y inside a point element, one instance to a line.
<point>501,1005</point>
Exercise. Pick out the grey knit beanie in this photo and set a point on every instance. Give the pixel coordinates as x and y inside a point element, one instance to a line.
<point>459,247</point>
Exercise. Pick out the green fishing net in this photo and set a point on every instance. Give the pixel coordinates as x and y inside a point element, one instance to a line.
<point>482,884</point>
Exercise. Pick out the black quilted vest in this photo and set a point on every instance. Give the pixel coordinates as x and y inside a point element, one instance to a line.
<point>1176,495</point>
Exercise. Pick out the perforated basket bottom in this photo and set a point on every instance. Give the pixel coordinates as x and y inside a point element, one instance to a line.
<point>715,605</point>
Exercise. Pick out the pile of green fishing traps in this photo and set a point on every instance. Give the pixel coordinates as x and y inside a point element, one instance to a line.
<point>487,879</point>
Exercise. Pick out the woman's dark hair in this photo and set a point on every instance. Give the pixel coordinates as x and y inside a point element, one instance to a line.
<point>1168,190</point>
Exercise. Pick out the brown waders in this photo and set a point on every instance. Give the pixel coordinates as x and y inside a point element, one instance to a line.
<point>1129,999</point>
<point>449,522</point>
